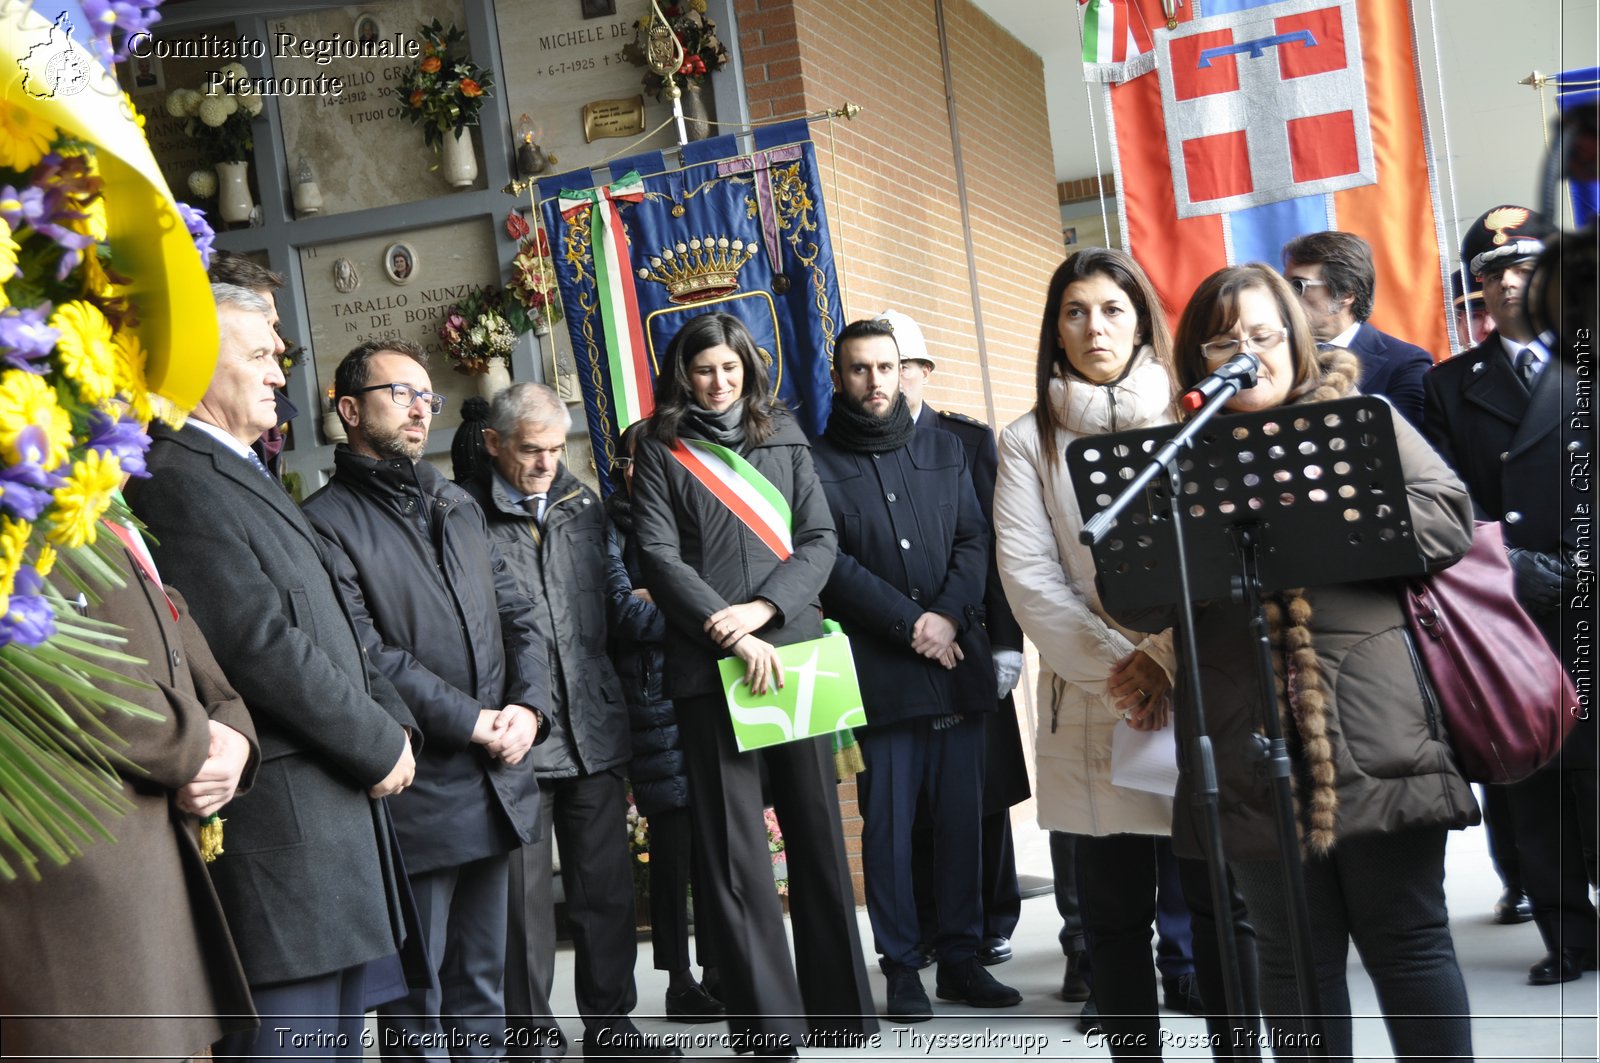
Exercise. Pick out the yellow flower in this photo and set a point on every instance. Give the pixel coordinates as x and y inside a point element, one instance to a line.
<point>24,136</point>
<point>96,281</point>
<point>8,253</point>
<point>83,499</point>
<point>85,349</point>
<point>130,376</point>
<point>26,401</point>
<point>45,561</point>
<point>14,536</point>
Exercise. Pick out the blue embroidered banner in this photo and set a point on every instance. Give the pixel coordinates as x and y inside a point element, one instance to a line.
<point>743,234</point>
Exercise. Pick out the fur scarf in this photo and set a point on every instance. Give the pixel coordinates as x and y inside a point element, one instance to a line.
<point>1302,693</point>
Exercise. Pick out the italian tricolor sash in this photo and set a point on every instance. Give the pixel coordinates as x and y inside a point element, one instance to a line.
<point>632,394</point>
<point>740,486</point>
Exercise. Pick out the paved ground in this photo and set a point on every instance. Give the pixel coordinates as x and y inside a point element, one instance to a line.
<point>1511,1020</point>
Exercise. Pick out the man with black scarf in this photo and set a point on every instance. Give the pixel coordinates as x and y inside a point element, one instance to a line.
<point>908,589</point>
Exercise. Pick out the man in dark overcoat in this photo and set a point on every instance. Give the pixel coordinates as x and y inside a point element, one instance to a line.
<point>550,530</point>
<point>1005,771</point>
<point>1515,420</point>
<point>308,873</point>
<point>908,588</point>
<point>441,618</point>
<point>124,950</point>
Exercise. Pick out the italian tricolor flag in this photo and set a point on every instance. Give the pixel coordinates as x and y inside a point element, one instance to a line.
<point>1111,33</point>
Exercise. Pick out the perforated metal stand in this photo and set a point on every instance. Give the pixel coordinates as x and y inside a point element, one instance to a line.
<point>1290,497</point>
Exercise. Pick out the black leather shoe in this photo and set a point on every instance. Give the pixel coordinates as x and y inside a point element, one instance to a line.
<point>925,956</point>
<point>994,950</point>
<point>1180,993</point>
<point>1513,907</point>
<point>1074,986</point>
<point>694,1004</point>
<point>907,1000</point>
<point>1567,966</point>
<point>968,983</point>
<point>1088,1018</point>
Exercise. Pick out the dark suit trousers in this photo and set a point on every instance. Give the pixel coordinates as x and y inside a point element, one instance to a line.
<point>771,1000</point>
<point>907,761</point>
<point>463,914</point>
<point>314,1018</point>
<point>671,859</point>
<point>587,816</point>
<point>1551,812</point>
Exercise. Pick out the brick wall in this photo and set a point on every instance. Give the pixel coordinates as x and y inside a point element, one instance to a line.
<point>893,199</point>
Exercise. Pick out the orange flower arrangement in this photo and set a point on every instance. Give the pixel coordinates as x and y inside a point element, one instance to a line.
<point>444,93</point>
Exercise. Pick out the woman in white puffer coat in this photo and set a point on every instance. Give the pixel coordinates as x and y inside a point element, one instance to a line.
<point>1105,356</point>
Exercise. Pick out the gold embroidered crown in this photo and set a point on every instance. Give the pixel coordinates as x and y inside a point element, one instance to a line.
<point>703,268</point>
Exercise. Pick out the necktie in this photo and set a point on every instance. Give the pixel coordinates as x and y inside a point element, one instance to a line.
<point>255,460</point>
<point>535,504</point>
<point>1527,367</point>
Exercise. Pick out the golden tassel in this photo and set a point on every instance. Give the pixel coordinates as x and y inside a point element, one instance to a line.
<point>211,837</point>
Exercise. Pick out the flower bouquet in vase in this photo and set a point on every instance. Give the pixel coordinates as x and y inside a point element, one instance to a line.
<point>220,120</point>
<point>444,94</point>
<point>479,334</point>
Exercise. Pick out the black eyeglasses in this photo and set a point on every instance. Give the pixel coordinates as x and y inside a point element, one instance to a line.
<point>405,395</point>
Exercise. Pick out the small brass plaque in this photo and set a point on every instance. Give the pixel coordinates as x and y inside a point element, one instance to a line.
<point>613,118</point>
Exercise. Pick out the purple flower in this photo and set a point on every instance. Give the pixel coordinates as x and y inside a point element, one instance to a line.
<point>118,20</point>
<point>45,205</point>
<point>123,440</point>
<point>26,490</point>
<point>194,219</point>
<point>28,619</point>
<point>25,339</point>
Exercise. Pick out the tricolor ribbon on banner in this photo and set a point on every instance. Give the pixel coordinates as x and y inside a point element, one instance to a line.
<point>740,486</point>
<point>632,394</point>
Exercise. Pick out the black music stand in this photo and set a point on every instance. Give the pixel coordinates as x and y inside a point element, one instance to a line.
<point>1289,497</point>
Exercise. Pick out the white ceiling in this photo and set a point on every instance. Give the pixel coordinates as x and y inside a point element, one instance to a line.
<point>1050,29</point>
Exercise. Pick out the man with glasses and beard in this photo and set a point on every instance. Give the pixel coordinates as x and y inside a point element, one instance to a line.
<point>441,618</point>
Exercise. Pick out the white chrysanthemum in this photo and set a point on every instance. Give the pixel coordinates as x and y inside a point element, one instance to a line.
<point>251,104</point>
<point>231,103</point>
<point>234,70</point>
<point>203,183</point>
<point>213,112</point>
<point>183,103</point>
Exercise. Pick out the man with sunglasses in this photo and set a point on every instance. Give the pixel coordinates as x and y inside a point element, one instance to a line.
<point>441,618</point>
<point>1333,275</point>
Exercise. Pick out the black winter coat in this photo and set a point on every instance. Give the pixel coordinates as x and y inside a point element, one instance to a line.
<point>698,558</point>
<point>911,540</point>
<point>658,773</point>
<point>441,618</point>
<point>561,568</point>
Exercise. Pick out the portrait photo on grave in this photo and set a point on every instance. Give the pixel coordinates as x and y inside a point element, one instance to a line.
<point>399,263</point>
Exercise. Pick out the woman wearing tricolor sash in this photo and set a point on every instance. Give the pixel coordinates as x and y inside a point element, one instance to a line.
<point>737,542</point>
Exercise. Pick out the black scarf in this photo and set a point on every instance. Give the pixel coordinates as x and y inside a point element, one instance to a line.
<point>619,507</point>
<point>852,428</point>
<point>725,428</point>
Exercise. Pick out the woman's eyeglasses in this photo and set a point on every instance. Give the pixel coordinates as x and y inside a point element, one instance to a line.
<point>1261,341</point>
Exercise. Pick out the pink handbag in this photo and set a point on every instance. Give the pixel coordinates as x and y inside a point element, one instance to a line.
<point>1508,703</point>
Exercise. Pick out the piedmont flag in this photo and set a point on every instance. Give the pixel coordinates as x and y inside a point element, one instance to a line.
<point>1267,120</point>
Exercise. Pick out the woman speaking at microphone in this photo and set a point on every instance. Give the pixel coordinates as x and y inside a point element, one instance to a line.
<point>1375,782</point>
<point>728,587</point>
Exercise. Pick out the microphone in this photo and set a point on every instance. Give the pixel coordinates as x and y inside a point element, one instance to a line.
<point>1237,374</point>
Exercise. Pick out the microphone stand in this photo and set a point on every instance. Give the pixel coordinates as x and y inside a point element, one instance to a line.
<point>1272,750</point>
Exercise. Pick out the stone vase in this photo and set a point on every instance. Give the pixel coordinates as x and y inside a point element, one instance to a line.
<point>696,122</point>
<point>234,204</point>
<point>495,380</point>
<point>458,160</point>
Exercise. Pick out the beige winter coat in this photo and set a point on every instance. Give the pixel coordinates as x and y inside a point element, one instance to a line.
<point>1049,580</point>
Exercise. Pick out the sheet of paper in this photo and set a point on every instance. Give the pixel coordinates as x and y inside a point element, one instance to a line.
<point>1145,760</point>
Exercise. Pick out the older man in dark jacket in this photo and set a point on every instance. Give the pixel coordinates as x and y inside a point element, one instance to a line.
<point>908,587</point>
<point>307,876</point>
<point>440,617</point>
<point>551,532</point>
